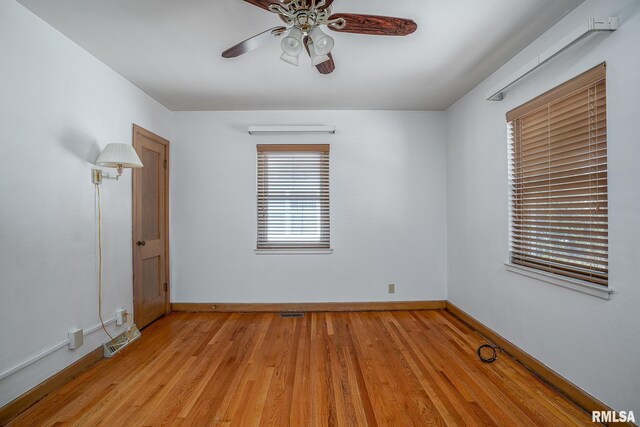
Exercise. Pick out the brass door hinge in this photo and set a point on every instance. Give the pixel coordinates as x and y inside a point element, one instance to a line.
<point>164,163</point>
<point>166,287</point>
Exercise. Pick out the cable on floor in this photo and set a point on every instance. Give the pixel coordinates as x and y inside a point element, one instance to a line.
<point>492,355</point>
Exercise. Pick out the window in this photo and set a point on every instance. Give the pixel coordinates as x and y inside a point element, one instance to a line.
<point>558,178</point>
<point>293,197</point>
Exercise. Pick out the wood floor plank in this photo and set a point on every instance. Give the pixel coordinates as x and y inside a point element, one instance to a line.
<point>430,382</point>
<point>326,369</point>
<point>460,370</point>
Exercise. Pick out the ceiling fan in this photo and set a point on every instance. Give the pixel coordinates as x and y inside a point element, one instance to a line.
<point>302,21</point>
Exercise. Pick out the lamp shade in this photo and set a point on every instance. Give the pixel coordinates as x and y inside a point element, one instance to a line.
<point>115,155</point>
<point>293,60</point>
<point>322,42</point>
<point>316,58</point>
<point>292,44</point>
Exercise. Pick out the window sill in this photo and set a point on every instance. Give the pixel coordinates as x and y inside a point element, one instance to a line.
<point>293,251</point>
<point>566,282</point>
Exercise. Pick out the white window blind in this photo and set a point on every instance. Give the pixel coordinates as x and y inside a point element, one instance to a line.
<point>558,174</point>
<point>293,196</point>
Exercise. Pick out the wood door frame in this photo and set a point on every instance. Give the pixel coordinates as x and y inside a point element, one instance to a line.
<point>135,231</point>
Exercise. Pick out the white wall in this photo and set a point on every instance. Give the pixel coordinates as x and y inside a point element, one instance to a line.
<point>592,342</point>
<point>387,209</point>
<point>58,107</point>
<point>390,194</point>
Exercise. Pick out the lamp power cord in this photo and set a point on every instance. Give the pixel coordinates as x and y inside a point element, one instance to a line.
<point>100,262</point>
<point>493,355</point>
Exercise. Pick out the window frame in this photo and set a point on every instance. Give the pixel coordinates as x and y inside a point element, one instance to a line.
<point>323,244</point>
<point>549,274</point>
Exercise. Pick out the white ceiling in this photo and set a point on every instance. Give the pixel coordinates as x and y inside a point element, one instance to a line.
<point>171,50</point>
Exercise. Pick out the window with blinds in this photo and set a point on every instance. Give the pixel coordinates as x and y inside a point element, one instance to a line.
<point>558,178</point>
<point>293,197</point>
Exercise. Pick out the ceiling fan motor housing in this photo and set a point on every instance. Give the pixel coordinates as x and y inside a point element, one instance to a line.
<point>305,16</point>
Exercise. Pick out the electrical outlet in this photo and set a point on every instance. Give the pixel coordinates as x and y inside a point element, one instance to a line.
<point>121,316</point>
<point>76,338</point>
<point>392,288</point>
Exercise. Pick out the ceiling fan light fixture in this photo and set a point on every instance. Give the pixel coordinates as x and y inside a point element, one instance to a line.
<point>318,59</point>
<point>303,20</point>
<point>321,41</point>
<point>290,59</point>
<point>292,43</point>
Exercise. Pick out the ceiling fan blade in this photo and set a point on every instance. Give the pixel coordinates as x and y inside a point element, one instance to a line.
<point>325,67</point>
<point>253,42</point>
<point>374,25</point>
<point>264,4</point>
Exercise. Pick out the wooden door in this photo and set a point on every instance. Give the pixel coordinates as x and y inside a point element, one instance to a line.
<point>150,228</point>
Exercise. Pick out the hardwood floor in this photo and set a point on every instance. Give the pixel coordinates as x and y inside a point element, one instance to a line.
<point>371,368</point>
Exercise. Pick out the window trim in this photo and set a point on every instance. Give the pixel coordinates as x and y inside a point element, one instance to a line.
<point>293,250</point>
<point>300,251</point>
<point>603,291</point>
<point>577,285</point>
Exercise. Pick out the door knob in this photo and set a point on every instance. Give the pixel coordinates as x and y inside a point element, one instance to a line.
<point>141,243</point>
